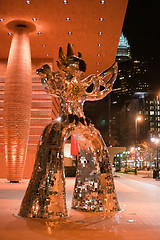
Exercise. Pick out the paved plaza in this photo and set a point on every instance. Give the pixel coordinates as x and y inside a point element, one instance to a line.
<point>139,218</point>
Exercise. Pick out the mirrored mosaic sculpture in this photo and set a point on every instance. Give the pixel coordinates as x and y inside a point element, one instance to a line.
<point>94,188</point>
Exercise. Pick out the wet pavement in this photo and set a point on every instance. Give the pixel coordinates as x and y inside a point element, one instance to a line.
<point>139,218</point>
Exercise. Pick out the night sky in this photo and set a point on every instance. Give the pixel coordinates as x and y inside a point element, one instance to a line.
<point>141,27</point>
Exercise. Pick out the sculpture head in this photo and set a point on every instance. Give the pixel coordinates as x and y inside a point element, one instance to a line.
<point>45,73</point>
<point>70,63</point>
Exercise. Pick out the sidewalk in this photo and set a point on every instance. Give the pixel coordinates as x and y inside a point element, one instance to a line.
<point>139,218</point>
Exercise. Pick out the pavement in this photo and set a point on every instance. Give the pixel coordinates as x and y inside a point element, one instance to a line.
<point>139,218</point>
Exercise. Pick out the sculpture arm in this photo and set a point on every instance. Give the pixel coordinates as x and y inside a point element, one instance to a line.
<point>101,86</point>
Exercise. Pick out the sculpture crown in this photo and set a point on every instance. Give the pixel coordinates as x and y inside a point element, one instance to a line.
<point>69,61</point>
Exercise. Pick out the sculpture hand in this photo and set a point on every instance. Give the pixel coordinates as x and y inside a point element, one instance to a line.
<point>101,86</point>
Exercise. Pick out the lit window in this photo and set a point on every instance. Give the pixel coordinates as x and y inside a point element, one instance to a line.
<point>151,112</point>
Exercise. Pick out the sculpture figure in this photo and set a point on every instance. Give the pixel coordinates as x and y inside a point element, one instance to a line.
<point>94,188</point>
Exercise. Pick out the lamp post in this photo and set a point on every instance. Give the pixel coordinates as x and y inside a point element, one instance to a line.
<point>138,119</point>
<point>156,141</point>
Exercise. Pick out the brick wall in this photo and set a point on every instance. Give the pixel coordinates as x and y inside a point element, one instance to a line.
<point>44,109</point>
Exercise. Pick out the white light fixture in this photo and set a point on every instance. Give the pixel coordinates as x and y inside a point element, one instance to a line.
<point>65,1</point>
<point>67,19</point>
<point>34,19</point>
<point>28,2</point>
<point>58,119</point>
<point>102,2</point>
<point>101,19</point>
<point>99,45</point>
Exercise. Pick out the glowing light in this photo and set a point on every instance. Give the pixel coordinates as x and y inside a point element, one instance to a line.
<point>99,45</point>
<point>139,118</point>
<point>152,139</point>
<point>28,2</point>
<point>67,19</point>
<point>39,33</point>
<point>101,19</point>
<point>1,19</point>
<point>132,149</point>
<point>59,119</point>
<point>34,19</point>
<point>102,2</point>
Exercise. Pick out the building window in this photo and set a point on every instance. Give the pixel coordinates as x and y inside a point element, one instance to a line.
<point>151,112</point>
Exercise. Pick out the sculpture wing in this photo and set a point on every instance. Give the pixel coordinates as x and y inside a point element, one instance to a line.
<point>109,70</point>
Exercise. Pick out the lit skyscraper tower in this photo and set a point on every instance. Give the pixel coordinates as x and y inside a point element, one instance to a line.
<point>123,52</point>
